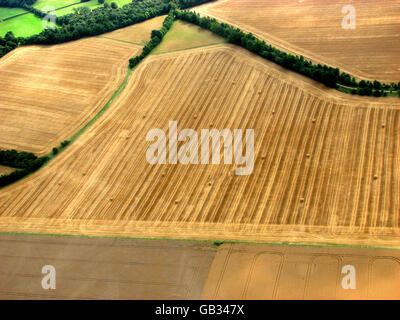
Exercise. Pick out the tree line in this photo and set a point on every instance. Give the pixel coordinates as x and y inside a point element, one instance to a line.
<point>331,77</point>
<point>16,3</point>
<point>156,37</point>
<point>25,162</point>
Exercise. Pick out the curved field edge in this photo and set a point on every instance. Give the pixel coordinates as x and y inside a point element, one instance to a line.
<point>203,230</point>
<point>185,36</point>
<point>51,155</point>
<point>330,76</point>
<point>166,25</point>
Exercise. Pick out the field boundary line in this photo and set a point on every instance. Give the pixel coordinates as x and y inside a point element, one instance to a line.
<point>191,48</point>
<point>124,41</point>
<point>279,43</point>
<point>215,241</point>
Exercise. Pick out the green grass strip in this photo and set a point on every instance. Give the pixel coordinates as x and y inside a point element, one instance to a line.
<point>177,50</point>
<point>107,105</point>
<point>214,241</point>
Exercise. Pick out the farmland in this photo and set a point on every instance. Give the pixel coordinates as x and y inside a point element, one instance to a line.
<point>322,194</point>
<point>184,36</point>
<point>283,272</point>
<point>92,4</point>
<point>58,88</point>
<point>40,4</point>
<point>9,12</point>
<point>23,26</point>
<point>138,33</point>
<point>314,28</point>
<point>29,24</point>
<point>103,268</point>
<point>326,164</point>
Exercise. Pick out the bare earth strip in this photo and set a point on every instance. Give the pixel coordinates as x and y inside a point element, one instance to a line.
<point>103,268</point>
<point>313,28</point>
<point>345,191</point>
<point>283,272</point>
<point>49,93</point>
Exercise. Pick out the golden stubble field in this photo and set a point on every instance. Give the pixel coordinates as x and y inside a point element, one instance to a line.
<point>264,272</point>
<point>138,33</point>
<point>313,28</point>
<point>49,93</point>
<point>5,170</point>
<point>326,164</point>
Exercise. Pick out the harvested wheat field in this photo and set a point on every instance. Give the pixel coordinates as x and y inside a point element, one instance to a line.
<point>313,28</point>
<point>326,164</point>
<point>103,268</point>
<point>284,272</point>
<point>138,33</point>
<point>49,93</point>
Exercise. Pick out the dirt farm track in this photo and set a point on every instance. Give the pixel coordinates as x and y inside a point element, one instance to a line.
<point>326,164</point>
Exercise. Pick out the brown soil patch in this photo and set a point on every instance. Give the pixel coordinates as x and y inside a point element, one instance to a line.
<point>103,268</point>
<point>6,170</point>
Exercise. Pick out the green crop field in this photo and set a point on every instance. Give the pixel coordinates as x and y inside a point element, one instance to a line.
<point>54,3</point>
<point>22,26</point>
<point>28,25</point>
<point>9,12</point>
<point>93,4</point>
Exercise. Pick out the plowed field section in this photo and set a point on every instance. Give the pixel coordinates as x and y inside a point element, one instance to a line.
<point>6,170</point>
<point>49,93</point>
<point>314,28</point>
<point>324,171</point>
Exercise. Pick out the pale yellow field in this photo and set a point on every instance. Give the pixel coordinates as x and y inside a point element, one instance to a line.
<point>326,164</point>
<point>49,93</point>
<point>89,268</point>
<point>138,33</point>
<point>313,28</point>
<point>267,272</point>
